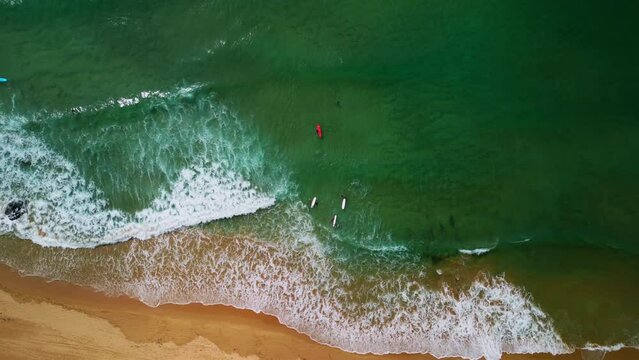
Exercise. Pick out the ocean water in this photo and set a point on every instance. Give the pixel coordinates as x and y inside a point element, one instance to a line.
<point>166,150</point>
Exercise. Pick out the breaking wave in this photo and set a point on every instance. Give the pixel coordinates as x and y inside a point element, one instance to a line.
<point>383,307</point>
<point>208,165</point>
<point>477,251</point>
<point>66,209</point>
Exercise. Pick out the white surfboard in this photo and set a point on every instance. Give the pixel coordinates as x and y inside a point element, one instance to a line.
<point>343,203</point>
<point>334,220</point>
<point>314,202</point>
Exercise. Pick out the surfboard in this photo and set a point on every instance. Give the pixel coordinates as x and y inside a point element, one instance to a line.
<point>343,203</point>
<point>334,220</point>
<point>314,202</point>
<point>4,80</point>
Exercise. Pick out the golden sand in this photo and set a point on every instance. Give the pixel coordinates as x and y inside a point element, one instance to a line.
<point>58,320</point>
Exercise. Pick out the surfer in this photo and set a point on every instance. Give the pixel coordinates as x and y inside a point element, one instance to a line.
<point>318,130</point>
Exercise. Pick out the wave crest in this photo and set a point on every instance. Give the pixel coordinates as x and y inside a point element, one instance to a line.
<point>66,209</point>
<point>382,308</point>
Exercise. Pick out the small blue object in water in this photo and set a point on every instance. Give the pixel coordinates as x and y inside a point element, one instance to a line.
<point>4,80</point>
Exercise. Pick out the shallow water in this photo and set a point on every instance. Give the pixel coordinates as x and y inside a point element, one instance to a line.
<point>495,128</point>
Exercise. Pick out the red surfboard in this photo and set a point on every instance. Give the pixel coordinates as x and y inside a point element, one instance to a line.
<point>318,130</point>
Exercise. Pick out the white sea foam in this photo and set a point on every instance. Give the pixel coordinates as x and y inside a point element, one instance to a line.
<point>118,20</point>
<point>607,348</point>
<point>386,248</point>
<point>124,101</point>
<point>67,210</point>
<point>385,311</point>
<point>216,46</point>
<point>477,251</point>
<point>295,278</point>
<point>523,240</point>
<point>480,250</point>
<point>277,267</point>
<point>10,2</point>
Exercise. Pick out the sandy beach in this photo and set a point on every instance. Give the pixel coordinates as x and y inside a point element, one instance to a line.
<point>55,320</point>
<point>319,180</point>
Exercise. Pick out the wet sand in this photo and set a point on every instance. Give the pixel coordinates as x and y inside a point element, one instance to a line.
<point>55,320</point>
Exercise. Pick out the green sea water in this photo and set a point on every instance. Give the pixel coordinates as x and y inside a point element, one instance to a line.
<point>451,126</point>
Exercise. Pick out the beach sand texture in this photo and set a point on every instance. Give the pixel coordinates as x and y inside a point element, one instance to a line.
<point>58,320</point>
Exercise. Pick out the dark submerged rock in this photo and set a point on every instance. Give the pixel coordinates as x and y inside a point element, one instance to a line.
<point>15,209</point>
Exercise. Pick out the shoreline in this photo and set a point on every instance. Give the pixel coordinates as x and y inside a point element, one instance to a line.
<point>50,319</point>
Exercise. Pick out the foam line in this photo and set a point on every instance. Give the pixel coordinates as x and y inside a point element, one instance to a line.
<point>275,264</point>
<point>67,210</point>
<point>292,276</point>
<point>477,251</point>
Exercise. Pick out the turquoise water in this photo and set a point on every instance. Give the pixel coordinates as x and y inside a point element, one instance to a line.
<point>452,128</point>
